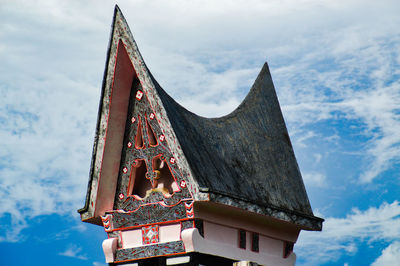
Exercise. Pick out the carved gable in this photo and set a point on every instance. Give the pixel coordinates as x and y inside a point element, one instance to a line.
<point>149,173</point>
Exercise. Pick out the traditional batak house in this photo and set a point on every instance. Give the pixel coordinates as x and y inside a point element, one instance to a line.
<point>173,188</point>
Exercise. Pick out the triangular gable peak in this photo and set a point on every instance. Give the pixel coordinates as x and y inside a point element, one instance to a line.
<point>148,173</point>
<point>128,84</point>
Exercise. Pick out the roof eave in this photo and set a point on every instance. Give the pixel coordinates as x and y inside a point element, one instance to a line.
<point>303,221</point>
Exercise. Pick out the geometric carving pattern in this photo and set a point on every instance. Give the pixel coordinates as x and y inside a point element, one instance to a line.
<point>189,209</point>
<point>148,170</point>
<point>150,234</point>
<point>147,214</point>
<point>106,219</point>
<point>131,203</point>
<point>151,187</point>
<point>174,247</point>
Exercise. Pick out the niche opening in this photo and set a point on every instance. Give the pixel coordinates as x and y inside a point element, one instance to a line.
<point>151,136</point>
<point>139,144</point>
<point>165,181</point>
<point>138,184</point>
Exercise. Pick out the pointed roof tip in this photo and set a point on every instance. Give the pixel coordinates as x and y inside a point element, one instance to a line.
<point>117,10</point>
<point>263,80</point>
<point>263,72</point>
<point>260,93</point>
<point>265,67</point>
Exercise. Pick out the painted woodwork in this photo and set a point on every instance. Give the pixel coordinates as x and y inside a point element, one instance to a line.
<point>148,172</point>
<point>171,248</point>
<point>151,188</point>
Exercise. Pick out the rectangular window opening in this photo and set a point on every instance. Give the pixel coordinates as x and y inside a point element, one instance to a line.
<point>255,242</point>
<point>242,239</point>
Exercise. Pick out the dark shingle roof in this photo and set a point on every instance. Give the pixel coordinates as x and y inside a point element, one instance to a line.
<point>246,155</point>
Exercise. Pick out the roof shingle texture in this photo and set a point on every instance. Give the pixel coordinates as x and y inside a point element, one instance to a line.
<point>246,154</point>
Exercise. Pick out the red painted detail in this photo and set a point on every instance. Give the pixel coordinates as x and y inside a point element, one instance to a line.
<point>189,209</point>
<point>123,74</point>
<point>137,179</point>
<point>164,222</point>
<point>151,137</point>
<point>129,144</point>
<point>166,174</point>
<point>125,170</point>
<point>106,223</point>
<point>139,95</point>
<point>136,197</point>
<point>152,116</point>
<point>121,196</point>
<point>183,184</point>
<point>150,234</point>
<point>133,120</point>
<point>147,175</point>
<point>139,143</point>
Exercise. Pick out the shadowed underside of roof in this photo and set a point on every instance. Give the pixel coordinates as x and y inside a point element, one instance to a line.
<point>246,155</point>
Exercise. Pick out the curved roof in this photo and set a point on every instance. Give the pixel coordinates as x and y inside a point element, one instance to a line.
<point>245,155</point>
<point>244,159</point>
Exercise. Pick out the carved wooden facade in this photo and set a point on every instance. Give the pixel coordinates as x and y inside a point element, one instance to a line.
<point>169,184</point>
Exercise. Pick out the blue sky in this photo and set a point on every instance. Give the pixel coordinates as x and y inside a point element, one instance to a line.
<point>336,68</point>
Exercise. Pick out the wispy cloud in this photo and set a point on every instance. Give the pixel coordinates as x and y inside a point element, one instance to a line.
<point>329,61</point>
<point>73,251</point>
<point>314,179</point>
<point>359,85</point>
<point>46,128</point>
<point>390,255</point>
<point>340,236</point>
<point>99,264</point>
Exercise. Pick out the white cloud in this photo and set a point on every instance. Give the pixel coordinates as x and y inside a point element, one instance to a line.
<point>73,251</point>
<point>341,235</point>
<point>206,56</point>
<point>45,126</point>
<point>314,179</point>
<point>362,87</point>
<point>390,255</point>
<point>99,264</point>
